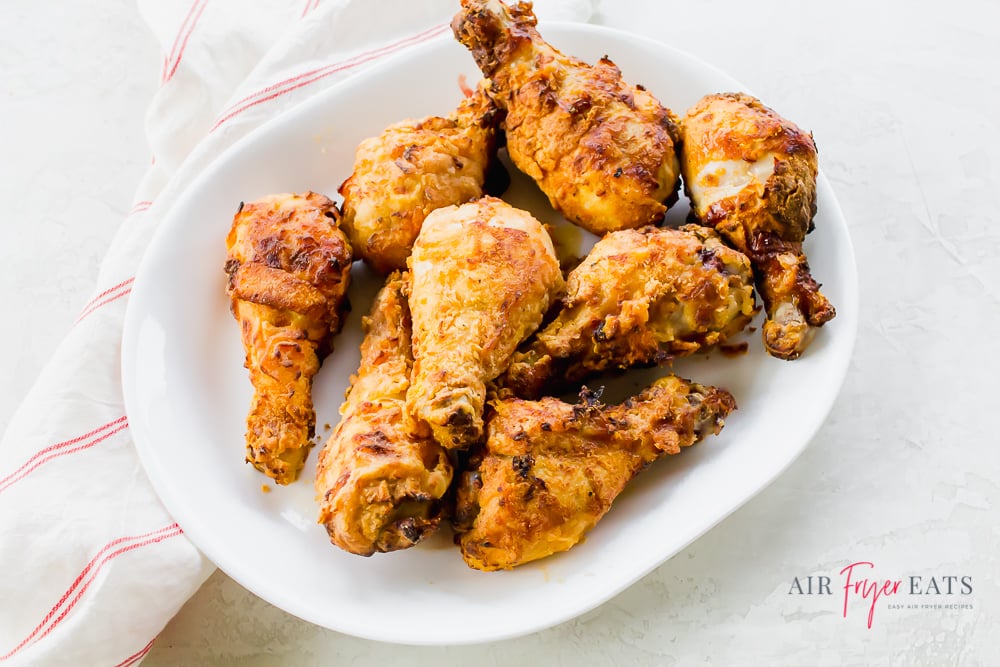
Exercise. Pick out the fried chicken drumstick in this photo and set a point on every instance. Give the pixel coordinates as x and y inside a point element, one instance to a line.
<point>550,470</point>
<point>602,151</point>
<point>482,275</point>
<point>639,298</point>
<point>380,483</point>
<point>751,175</point>
<point>409,170</point>
<point>288,266</point>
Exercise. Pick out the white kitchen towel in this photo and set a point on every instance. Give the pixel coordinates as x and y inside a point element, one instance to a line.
<point>91,564</point>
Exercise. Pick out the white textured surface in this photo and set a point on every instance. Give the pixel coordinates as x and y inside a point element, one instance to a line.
<point>902,100</point>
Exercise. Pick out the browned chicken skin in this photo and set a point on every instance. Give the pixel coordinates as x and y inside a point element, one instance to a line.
<point>602,151</point>
<point>482,275</point>
<point>550,470</point>
<point>751,175</point>
<point>379,481</point>
<point>409,170</point>
<point>640,297</point>
<point>288,267</point>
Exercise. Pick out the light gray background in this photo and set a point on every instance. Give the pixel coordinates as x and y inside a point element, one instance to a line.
<point>902,98</point>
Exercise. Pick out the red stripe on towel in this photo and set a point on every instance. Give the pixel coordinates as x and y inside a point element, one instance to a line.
<point>90,308</point>
<point>139,208</point>
<point>137,656</point>
<point>180,42</point>
<point>177,40</point>
<point>108,291</point>
<point>80,585</point>
<point>100,299</point>
<point>288,85</point>
<point>310,6</point>
<point>432,31</point>
<point>63,448</point>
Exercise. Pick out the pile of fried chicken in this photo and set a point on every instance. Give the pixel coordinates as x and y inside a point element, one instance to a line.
<point>453,415</point>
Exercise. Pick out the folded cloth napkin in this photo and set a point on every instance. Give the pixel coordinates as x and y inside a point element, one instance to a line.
<point>91,564</point>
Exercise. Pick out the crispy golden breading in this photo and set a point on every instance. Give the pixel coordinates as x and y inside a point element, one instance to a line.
<point>289,268</point>
<point>640,297</point>
<point>380,483</point>
<point>751,175</point>
<point>550,470</point>
<point>409,170</point>
<point>601,150</point>
<point>482,276</point>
